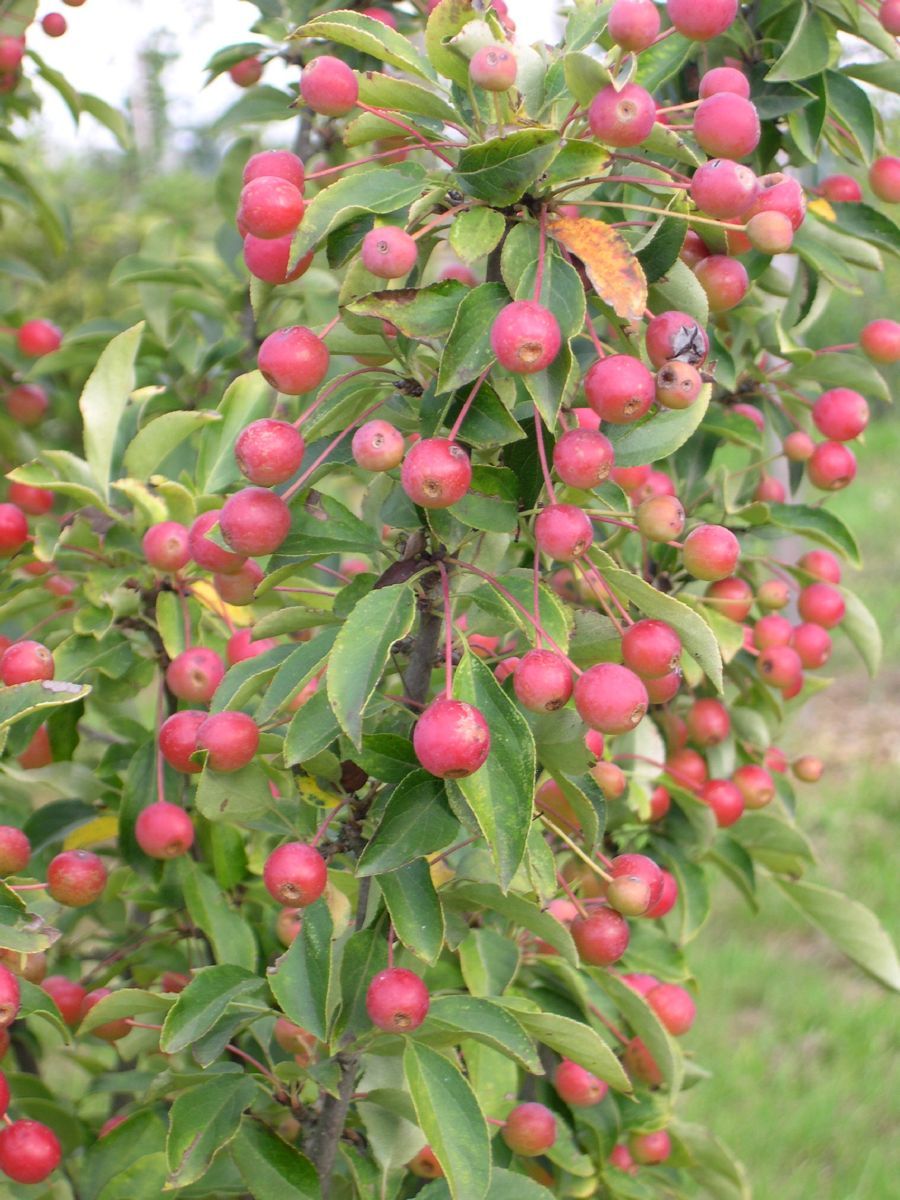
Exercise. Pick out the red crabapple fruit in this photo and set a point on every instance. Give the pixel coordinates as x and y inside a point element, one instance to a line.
<point>13,530</point>
<point>378,446</point>
<point>610,698</point>
<point>724,79</point>
<point>732,597</point>
<point>711,552</point>
<point>649,1149</point>
<point>230,740</point>
<point>397,1000</point>
<point>678,384</point>
<point>328,86</point>
<point>701,22</point>
<point>755,785</point>
<point>254,521</point>
<point>436,473</point>
<point>525,337</point>
<point>601,938</point>
<point>27,403</point>
<point>38,337</point>
<point>576,1086</point>
<point>194,674</point>
<point>619,388</point>
<point>660,518</point>
<point>67,995</point>
<point>674,334</point>
<point>295,874</point>
<point>451,739</point>
<point>840,414</point>
<point>822,604</point>
<point>831,466</point>
<point>542,681</point>
<point>269,259</point>
<point>841,189</point>
<point>583,458</point>
<point>269,207</point>
<point>884,179</point>
<point>269,451</point>
<point>725,799</point>
<point>530,1129</point>
<point>708,722</point>
<point>622,116</point>
<point>15,850</point>
<point>29,1151</point>
<point>207,553</point>
<point>10,997</point>
<point>293,360</point>
<point>164,830</point>
<point>76,878</point>
<point>727,126</point>
<point>724,280</point>
<point>246,72</point>
<point>723,188</point>
<point>493,68</point>
<point>651,648</point>
<point>166,546</point>
<point>633,24</point>
<point>880,340</point>
<point>178,740</point>
<point>388,252</point>
<point>563,531</point>
<point>25,662</point>
<point>278,164</point>
<point>770,232</point>
<point>674,1006</point>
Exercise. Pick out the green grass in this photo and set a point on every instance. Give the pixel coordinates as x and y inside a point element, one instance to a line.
<point>802,1045</point>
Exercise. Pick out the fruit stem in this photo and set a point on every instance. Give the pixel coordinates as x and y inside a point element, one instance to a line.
<point>582,911</point>
<point>577,849</point>
<point>663,212</point>
<point>837,349</point>
<point>536,593</point>
<point>442,216</point>
<point>453,849</point>
<point>510,598</point>
<point>332,387</point>
<point>573,112</point>
<point>324,826</point>
<point>358,162</point>
<point>328,328</point>
<point>7,1119</point>
<point>646,162</point>
<point>390,946</point>
<point>378,112</point>
<point>679,107</point>
<point>461,416</point>
<point>160,762</point>
<point>141,1025</point>
<point>448,632</point>
<point>614,1030</point>
<point>26,887</point>
<point>542,254</point>
<point>254,1062</point>
<point>639,179</point>
<point>295,487</point>
<point>542,454</point>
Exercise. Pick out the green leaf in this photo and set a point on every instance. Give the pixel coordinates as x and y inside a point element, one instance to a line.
<point>295,672</point>
<point>202,1121</point>
<point>575,1040</point>
<point>451,1120</point>
<point>488,962</point>
<point>104,399</point>
<point>231,937</point>
<point>660,436</point>
<point>807,52</point>
<point>710,1163</point>
<point>501,171</point>
<point>138,1141</point>
<point>842,370</point>
<point>452,1018</point>
<point>853,108</point>
<point>17,702</point>
<point>476,232</point>
<point>124,1002</point>
<point>247,398</point>
<point>427,312</point>
<point>24,932</point>
<point>554,615</point>
<point>204,1001</point>
<point>772,841</point>
<point>375,189</point>
<point>862,629</point>
<point>693,894</point>
<point>696,636</point>
<point>270,1168</point>
<point>516,909</point>
<point>679,289</point>
<point>879,74</point>
<point>403,96</point>
<point>160,437</point>
<point>235,795</point>
<point>443,24</point>
<point>416,821</point>
<point>244,679</point>
<point>490,504</point>
<point>500,792</point>
<point>388,757</point>
<point>586,800</point>
<point>646,1025</point>
<point>818,524</point>
<point>415,909</point>
<point>561,288</point>
<point>369,36</point>
<point>468,348</point>
<point>505,1185</point>
<point>361,652</point>
<point>311,538</point>
<point>112,118</point>
<point>365,954</point>
<point>312,729</point>
<point>870,224</point>
<point>301,976</point>
<point>850,925</point>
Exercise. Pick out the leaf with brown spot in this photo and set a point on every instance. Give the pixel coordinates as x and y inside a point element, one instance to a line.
<point>611,265</point>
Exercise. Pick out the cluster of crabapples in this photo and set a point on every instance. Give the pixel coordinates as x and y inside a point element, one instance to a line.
<point>13,46</point>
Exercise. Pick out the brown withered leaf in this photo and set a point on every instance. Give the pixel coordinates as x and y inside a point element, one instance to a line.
<point>611,265</point>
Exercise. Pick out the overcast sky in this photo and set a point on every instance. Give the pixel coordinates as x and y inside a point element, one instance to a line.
<point>98,54</point>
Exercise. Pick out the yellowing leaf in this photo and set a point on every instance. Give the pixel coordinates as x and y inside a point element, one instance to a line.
<point>612,267</point>
<point>310,790</point>
<point>822,208</point>
<point>210,598</point>
<point>101,829</point>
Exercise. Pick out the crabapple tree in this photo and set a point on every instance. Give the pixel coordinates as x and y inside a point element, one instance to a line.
<point>406,589</point>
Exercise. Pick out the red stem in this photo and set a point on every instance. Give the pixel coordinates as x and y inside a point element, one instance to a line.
<point>542,254</point>
<point>295,487</point>
<point>333,386</point>
<point>542,454</point>
<point>448,632</point>
<point>468,404</point>
<point>617,1033</point>
<point>582,911</point>
<point>377,112</point>
<point>324,826</point>
<point>358,162</point>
